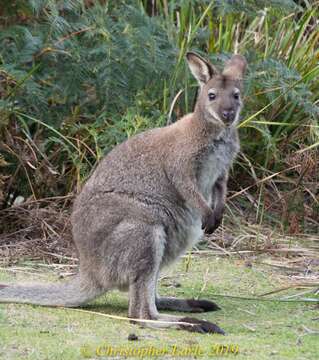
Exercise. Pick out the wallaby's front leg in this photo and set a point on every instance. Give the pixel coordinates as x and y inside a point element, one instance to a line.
<point>219,199</point>
<point>186,185</point>
<point>207,214</point>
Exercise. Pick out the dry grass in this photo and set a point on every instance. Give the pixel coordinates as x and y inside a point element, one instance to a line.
<point>36,230</point>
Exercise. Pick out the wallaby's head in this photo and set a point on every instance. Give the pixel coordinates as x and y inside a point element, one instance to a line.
<point>219,99</point>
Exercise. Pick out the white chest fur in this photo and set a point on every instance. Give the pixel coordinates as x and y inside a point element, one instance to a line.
<point>216,161</point>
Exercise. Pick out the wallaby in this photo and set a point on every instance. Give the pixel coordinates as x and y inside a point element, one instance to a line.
<point>148,201</point>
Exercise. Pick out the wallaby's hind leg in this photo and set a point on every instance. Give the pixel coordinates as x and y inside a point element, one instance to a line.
<point>142,287</point>
<point>142,299</point>
<point>143,306</point>
<point>185,305</point>
<point>142,295</point>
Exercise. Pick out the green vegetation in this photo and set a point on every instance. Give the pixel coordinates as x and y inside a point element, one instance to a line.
<point>77,77</point>
<point>261,329</point>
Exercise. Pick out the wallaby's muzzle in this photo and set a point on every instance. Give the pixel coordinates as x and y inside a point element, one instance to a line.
<point>228,116</point>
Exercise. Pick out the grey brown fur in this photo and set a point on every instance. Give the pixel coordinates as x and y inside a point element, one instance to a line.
<point>148,201</point>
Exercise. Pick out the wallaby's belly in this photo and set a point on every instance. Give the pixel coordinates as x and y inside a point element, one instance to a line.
<point>183,235</point>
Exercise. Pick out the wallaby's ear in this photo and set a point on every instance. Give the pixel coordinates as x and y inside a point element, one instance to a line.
<point>235,67</point>
<point>202,69</point>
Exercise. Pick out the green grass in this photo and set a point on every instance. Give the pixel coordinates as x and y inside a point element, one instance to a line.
<point>260,329</point>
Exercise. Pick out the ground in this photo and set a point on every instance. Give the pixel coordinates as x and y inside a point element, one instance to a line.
<point>256,327</point>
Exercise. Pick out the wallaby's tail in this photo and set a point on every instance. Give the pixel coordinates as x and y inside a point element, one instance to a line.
<point>70,293</point>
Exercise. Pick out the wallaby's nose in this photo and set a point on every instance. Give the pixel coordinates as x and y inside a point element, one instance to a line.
<point>228,115</point>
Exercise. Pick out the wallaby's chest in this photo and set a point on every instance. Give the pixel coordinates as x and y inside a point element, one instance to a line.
<point>216,159</point>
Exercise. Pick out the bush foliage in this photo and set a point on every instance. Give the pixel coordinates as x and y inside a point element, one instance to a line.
<point>79,76</point>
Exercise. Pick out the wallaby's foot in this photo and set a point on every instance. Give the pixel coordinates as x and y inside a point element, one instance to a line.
<point>200,326</point>
<point>202,305</point>
<point>164,321</point>
<point>185,305</point>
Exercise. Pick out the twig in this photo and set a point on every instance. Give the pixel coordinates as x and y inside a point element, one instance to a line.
<point>305,300</point>
<point>262,181</point>
<point>173,105</point>
<point>116,317</point>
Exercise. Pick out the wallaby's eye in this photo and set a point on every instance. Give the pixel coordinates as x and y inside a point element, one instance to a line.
<point>236,95</point>
<point>211,96</point>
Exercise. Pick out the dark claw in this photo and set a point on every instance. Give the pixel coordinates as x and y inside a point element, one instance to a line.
<point>201,326</point>
<point>211,224</point>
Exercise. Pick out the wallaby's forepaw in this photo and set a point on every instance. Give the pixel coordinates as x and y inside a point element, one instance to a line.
<point>200,326</point>
<point>202,305</point>
<point>211,223</point>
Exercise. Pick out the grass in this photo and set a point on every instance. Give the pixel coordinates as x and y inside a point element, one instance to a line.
<point>260,329</point>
